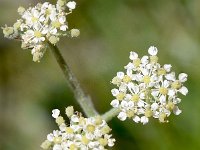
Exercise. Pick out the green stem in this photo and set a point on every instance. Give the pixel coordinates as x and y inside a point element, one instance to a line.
<point>83,99</point>
<point>110,114</point>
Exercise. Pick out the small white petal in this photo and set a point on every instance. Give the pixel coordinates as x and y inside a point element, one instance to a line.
<point>71,5</point>
<point>152,50</point>
<point>74,118</point>
<point>62,127</point>
<point>182,77</point>
<point>122,116</point>
<point>111,142</point>
<point>176,110</point>
<point>55,113</point>
<point>115,103</point>
<point>171,92</point>
<point>129,72</point>
<point>122,88</point>
<point>128,97</point>
<point>130,104</point>
<point>130,66</point>
<point>166,83</point>
<point>63,28</point>
<point>136,119</point>
<point>176,101</point>
<point>124,104</point>
<point>57,147</point>
<point>155,93</point>
<point>145,72</point>
<point>170,76</point>
<point>144,60</point>
<point>120,75</point>
<point>136,89</point>
<point>154,106</point>
<point>140,103</point>
<point>167,67</point>
<point>183,90</point>
<point>144,120</point>
<point>50,137</point>
<point>133,55</point>
<point>115,92</point>
<point>162,99</point>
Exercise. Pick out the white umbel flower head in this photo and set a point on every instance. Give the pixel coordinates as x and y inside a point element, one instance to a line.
<point>81,133</point>
<point>147,89</point>
<point>41,24</point>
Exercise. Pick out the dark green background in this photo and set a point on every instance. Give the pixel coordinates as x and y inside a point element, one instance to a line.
<point>110,29</point>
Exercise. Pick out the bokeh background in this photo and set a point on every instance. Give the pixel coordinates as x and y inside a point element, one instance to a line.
<point>110,29</point>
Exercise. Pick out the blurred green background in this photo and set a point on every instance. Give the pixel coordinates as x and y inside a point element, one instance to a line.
<point>110,29</point>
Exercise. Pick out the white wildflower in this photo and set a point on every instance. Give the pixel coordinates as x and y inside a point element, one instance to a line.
<point>41,24</point>
<point>82,133</point>
<point>147,89</point>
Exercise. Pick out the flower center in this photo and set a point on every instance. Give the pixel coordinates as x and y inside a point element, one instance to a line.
<point>163,91</point>
<point>161,71</point>
<point>136,62</point>
<point>146,79</point>
<point>34,19</point>
<point>135,97</point>
<point>176,85</point>
<point>37,34</point>
<point>120,96</point>
<point>90,128</point>
<point>153,59</point>
<point>56,24</point>
<point>126,79</point>
<point>69,130</point>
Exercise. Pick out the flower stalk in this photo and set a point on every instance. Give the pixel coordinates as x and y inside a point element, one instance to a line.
<point>110,114</point>
<point>83,99</point>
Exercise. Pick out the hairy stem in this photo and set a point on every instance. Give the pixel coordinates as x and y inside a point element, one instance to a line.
<point>110,114</point>
<point>83,99</point>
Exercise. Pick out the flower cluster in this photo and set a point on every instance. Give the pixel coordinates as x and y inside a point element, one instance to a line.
<point>81,134</point>
<point>41,24</point>
<point>147,89</point>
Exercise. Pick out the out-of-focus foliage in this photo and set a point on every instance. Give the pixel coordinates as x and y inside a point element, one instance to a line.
<point>109,30</point>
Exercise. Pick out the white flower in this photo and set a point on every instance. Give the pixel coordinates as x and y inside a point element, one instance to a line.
<point>148,89</point>
<point>55,113</point>
<point>41,24</point>
<point>82,133</point>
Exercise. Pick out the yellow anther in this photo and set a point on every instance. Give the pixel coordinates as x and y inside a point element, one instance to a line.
<point>120,96</point>
<point>176,85</point>
<point>163,91</point>
<point>136,62</point>
<point>37,34</point>
<point>135,97</point>
<point>126,79</point>
<point>90,128</point>
<point>146,79</point>
<point>153,59</point>
<point>161,71</point>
